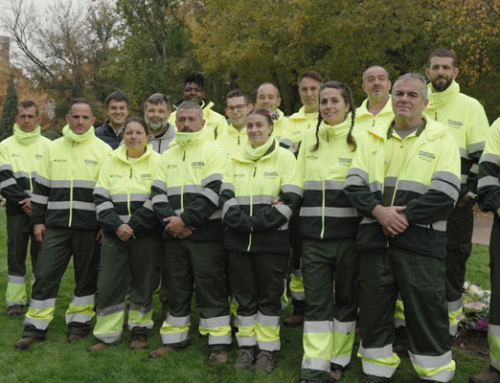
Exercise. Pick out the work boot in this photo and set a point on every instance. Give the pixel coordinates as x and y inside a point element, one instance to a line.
<point>336,374</point>
<point>160,352</point>
<point>293,320</point>
<point>16,311</point>
<point>245,359</point>
<point>73,338</point>
<point>97,347</point>
<point>26,342</point>
<point>490,376</point>
<point>218,357</point>
<point>138,342</point>
<point>265,362</point>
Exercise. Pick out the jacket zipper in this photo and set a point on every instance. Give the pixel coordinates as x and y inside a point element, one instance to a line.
<point>182,186</point>
<point>71,186</point>
<point>251,202</point>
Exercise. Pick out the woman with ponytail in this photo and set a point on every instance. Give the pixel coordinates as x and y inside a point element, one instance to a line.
<point>328,226</point>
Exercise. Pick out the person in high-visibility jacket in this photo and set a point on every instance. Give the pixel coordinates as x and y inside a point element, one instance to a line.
<point>20,158</point>
<point>468,124</point>
<point>405,180</point>
<point>185,197</point>
<point>488,193</point>
<point>328,227</point>
<point>64,218</point>
<point>132,245</point>
<point>257,237</point>
<point>300,122</point>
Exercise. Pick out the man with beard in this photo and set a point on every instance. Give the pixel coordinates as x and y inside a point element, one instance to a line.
<point>157,110</point>
<point>468,123</point>
<point>194,90</point>
<point>117,108</point>
<point>376,108</point>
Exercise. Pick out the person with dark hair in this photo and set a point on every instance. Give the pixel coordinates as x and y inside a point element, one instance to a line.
<point>238,106</point>
<point>64,221</point>
<point>257,238</point>
<point>376,108</point>
<point>185,198</point>
<point>488,193</point>
<point>328,226</point>
<point>194,90</point>
<point>468,124</point>
<point>132,245</point>
<point>307,116</point>
<point>404,180</point>
<point>157,110</point>
<point>20,159</point>
<point>111,132</point>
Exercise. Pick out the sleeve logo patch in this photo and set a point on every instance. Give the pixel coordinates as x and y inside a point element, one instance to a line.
<point>197,164</point>
<point>426,156</point>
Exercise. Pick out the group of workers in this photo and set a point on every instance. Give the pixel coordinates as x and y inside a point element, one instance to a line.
<point>370,208</point>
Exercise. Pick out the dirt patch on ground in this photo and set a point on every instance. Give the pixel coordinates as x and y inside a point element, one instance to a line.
<point>472,342</point>
<point>482,227</point>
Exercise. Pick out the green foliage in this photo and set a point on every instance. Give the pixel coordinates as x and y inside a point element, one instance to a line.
<point>9,111</point>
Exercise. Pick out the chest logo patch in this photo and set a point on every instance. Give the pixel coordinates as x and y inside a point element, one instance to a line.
<point>426,156</point>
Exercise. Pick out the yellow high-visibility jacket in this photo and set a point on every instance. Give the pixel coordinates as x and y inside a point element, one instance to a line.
<point>488,187</point>
<point>365,120</point>
<point>301,122</point>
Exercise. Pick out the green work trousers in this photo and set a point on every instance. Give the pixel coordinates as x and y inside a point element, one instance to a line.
<point>59,244</point>
<point>19,234</point>
<point>420,281</point>
<point>257,283</point>
<point>131,266</point>
<point>330,322</point>
<point>494,318</point>
<point>196,266</point>
<point>459,229</point>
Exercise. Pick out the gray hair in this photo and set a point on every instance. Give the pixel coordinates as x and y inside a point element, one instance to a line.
<point>156,99</point>
<point>413,77</point>
<point>191,105</point>
<point>374,66</point>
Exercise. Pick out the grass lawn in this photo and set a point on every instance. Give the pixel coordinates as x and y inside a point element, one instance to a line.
<point>57,361</point>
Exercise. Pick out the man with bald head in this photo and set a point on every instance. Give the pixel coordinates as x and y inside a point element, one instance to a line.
<point>376,108</point>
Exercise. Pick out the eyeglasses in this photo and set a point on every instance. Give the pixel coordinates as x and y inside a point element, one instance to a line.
<point>237,108</point>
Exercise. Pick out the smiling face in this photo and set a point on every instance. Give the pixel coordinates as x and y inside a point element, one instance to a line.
<point>193,92</point>
<point>408,102</point>
<point>376,83</point>
<point>268,98</point>
<point>135,137</point>
<point>237,110</point>
<point>156,116</point>
<point>117,113</point>
<point>27,118</point>
<point>258,129</point>
<point>308,90</point>
<point>332,106</point>
<point>80,118</point>
<point>441,72</point>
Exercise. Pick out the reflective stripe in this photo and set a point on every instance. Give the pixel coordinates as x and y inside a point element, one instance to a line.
<point>316,364</point>
<point>104,206</point>
<point>40,199</point>
<point>446,176</point>
<point>292,189</point>
<point>244,341</point>
<point>390,182</point>
<point>227,205</point>
<point>341,360</point>
<point>22,174</point>
<point>124,218</point>
<point>299,295</point>
<point>43,181</point>
<point>464,153</point>
<point>445,188</point>
<point>227,186</point>
<point>219,339</point>
<point>140,309</point>
<point>148,205</point>
<point>175,190</point>
<point>111,310</point>
<point>343,327</point>
<point>413,186</point>
<point>160,185</point>
<point>476,147</point>
<point>109,338</point>
<point>486,157</point>
<point>452,330</point>
<point>455,305</point>
<point>246,321</point>
<point>488,181</point>
<point>375,186</point>
<point>376,353</point>
<point>60,184</point>
<point>494,330</point>
<point>430,361</point>
<point>192,188</point>
<point>474,168</point>
<point>212,177</point>
<point>216,215</point>
<point>438,226</point>
<point>285,210</point>
<point>178,321</point>
<point>343,212</point>
<point>172,338</point>
<point>215,322</point>
<point>464,178</point>
<point>368,220</point>
<point>268,320</point>
<point>441,376</point>
<point>84,184</point>
<point>159,198</point>
<point>102,191</point>
<point>269,346</point>
<point>139,197</point>
<point>358,172</point>
<point>211,195</point>
<point>62,205</point>
<point>16,280</point>
<point>39,324</point>
<point>45,304</point>
<point>178,211</point>
<point>78,318</point>
<point>8,182</point>
<point>119,197</point>
<point>264,199</point>
<point>5,167</point>
<point>378,369</point>
<point>318,326</point>
<point>329,185</point>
